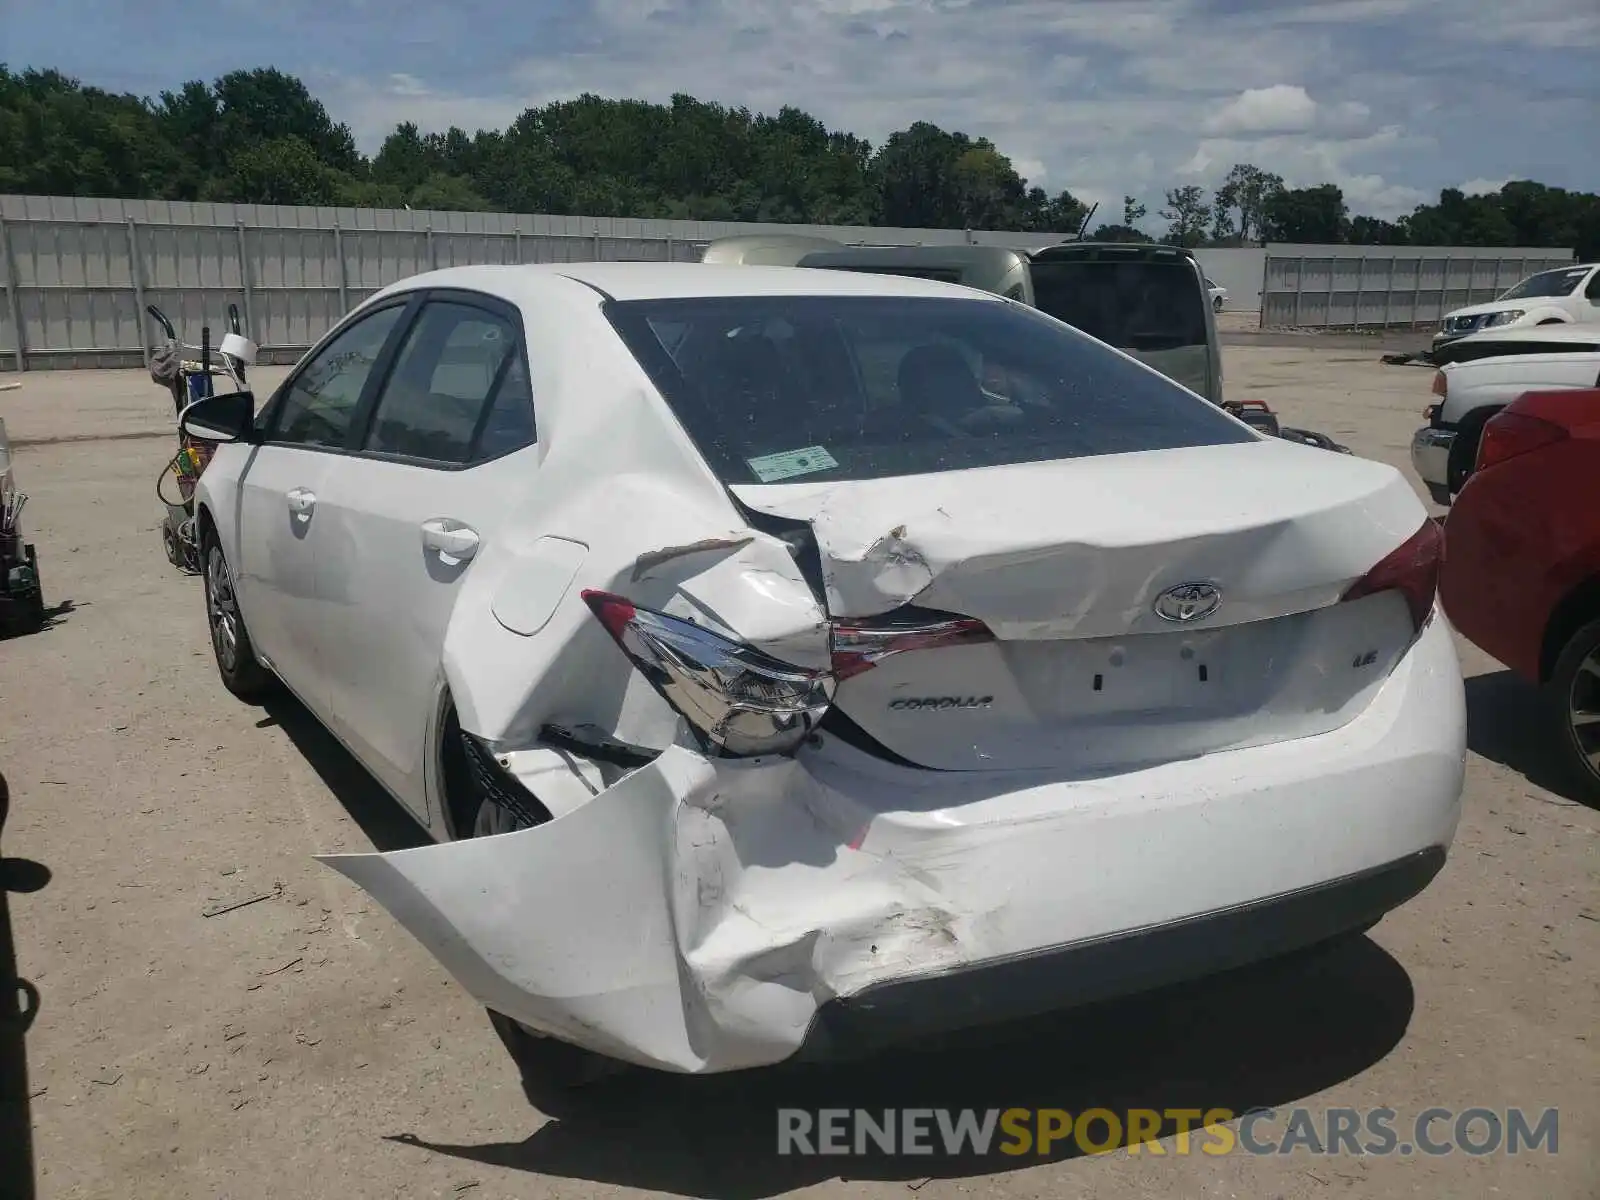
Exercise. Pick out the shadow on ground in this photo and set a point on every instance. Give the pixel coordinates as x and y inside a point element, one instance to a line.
<point>1506,724</point>
<point>1266,1036</point>
<point>387,825</point>
<point>1262,1037</point>
<point>19,1005</point>
<point>54,614</point>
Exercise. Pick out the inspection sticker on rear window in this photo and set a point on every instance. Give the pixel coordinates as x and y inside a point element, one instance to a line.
<point>770,468</point>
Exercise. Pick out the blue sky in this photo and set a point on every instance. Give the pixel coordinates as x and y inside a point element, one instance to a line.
<point>1391,99</point>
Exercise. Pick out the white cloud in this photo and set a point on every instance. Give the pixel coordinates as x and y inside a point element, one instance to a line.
<point>1032,169</point>
<point>1483,187</point>
<point>1378,197</point>
<point>1102,97</point>
<point>373,108</point>
<point>1277,109</point>
<point>1306,161</point>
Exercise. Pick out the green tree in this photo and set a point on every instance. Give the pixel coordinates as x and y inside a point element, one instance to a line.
<point>1118,233</point>
<point>441,191</point>
<point>1063,213</point>
<point>58,137</point>
<point>989,192</point>
<point>1239,208</point>
<point>282,171</point>
<point>915,174</point>
<point>405,159</point>
<point>1314,215</point>
<point>1461,220</point>
<point>1186,213</point>
<point>191,120</point>
<point>261,136</point>
<point>267,105</point>
<point>1371,231</point>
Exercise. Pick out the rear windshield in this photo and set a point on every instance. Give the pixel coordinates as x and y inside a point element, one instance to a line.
<point>835,388</point>
<point>1131,305</point>
<point>1547,283</point>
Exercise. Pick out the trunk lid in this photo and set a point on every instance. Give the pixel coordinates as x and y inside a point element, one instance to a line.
<point>1064,562</point>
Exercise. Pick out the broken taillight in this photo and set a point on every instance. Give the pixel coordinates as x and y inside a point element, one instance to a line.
<point>1509,434</point>
<point>860,645</point>
<point>1412,569</point>
<point>738,699</point>
<point>743,701</point>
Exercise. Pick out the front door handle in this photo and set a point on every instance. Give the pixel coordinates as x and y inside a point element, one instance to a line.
<point>449,537</point>
<point>302,501</point>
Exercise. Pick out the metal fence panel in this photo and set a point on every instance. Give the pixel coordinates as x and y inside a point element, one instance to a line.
<point>375,259</point>
<point>78,271</point>
<point>1330,287</point>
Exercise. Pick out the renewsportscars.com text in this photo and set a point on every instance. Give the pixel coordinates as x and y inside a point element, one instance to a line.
<point>1215,1131</point>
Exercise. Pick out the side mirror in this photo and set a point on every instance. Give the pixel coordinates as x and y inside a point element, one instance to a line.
<point>229,417</point>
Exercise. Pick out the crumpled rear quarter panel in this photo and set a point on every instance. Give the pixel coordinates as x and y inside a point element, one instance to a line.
<point>695,916</point>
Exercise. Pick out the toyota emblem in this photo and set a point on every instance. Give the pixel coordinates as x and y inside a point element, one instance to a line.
<point>1188,602</point>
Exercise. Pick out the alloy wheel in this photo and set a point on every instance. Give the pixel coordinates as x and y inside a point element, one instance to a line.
<point>222,610</point>
<point>1583,710</point>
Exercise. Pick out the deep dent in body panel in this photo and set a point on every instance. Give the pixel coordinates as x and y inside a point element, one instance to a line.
<point>711,908</point>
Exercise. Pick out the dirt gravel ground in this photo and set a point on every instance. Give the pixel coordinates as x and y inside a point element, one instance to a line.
<point>303,1045</point>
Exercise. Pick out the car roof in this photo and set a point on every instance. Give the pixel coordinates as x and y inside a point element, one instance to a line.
<point>663,281</point>
<point>1588,332</point>
<point>932,256</point>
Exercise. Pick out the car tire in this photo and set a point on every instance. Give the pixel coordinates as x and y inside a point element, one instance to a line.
<point>1464,453</point>
<point>235,655</point>
<point>552,1070</point>
<point>1572,694</point>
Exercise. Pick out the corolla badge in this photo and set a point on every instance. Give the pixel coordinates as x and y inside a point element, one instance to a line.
<point>1188,602</point>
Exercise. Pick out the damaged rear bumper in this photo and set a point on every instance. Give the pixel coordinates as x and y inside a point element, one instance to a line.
<point>1120,964</point>
<point>704,916</point>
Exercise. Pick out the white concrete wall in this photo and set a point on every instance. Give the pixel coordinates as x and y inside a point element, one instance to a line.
<point>1240,271</point>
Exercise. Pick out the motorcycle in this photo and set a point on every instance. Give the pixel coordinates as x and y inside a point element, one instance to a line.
<point>190,379</point>
<point>1257,415</point>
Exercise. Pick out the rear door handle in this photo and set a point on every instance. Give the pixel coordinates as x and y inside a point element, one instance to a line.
<point>301,501</point>
<point>449,537</point>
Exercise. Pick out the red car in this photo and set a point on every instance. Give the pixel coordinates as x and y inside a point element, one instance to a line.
<point>1521,574</point>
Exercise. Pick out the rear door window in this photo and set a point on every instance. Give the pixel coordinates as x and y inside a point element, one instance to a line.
<point>1135,306</point>
<point>862,387</point>
<point>458,376</point>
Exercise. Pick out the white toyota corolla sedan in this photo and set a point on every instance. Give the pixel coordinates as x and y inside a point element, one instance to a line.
<point>790,661</point>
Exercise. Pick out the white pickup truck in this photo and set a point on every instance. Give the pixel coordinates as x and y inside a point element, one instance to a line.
<point>1566,294</point>
<point>1486,372</point>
